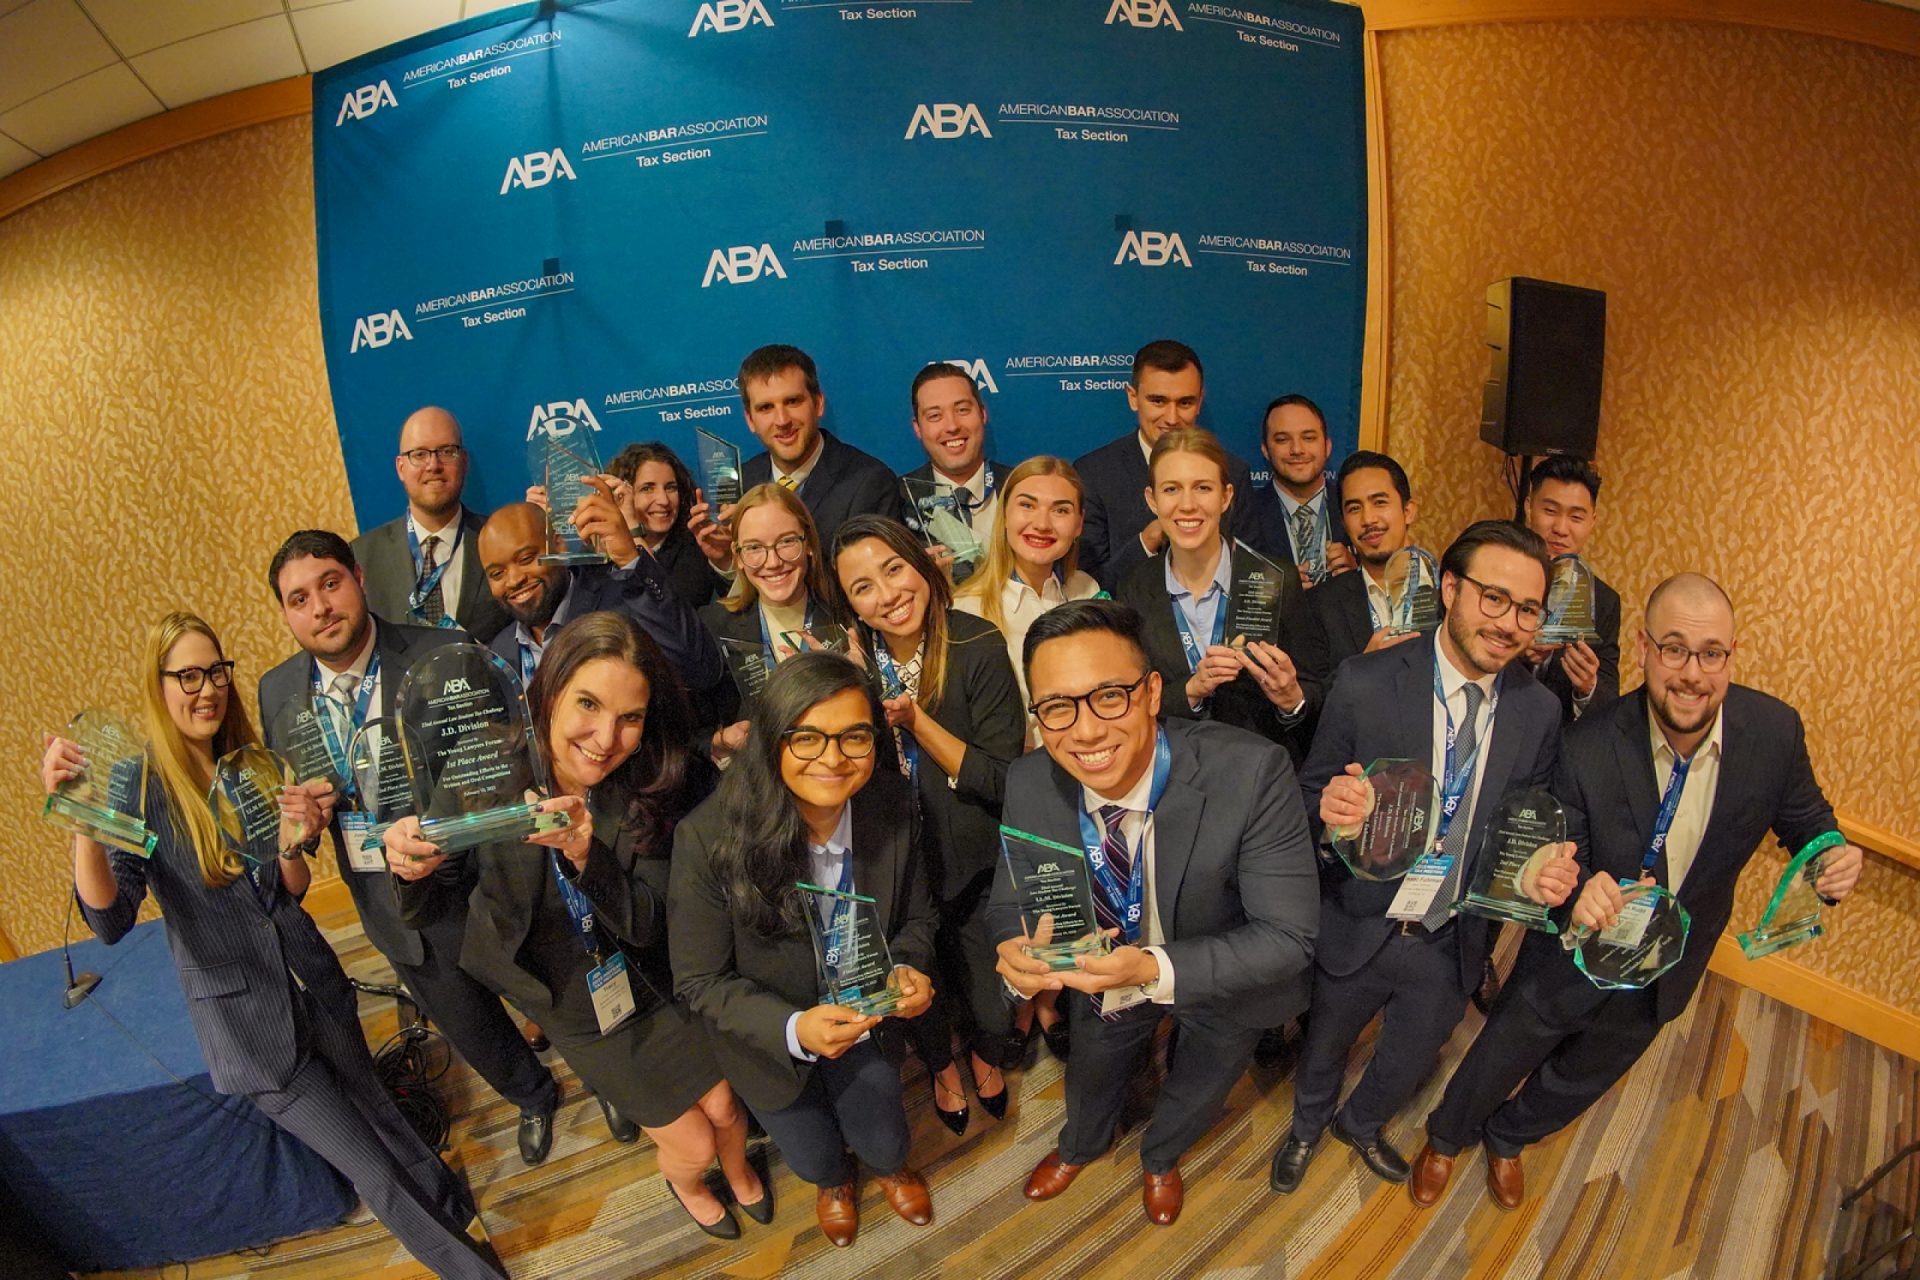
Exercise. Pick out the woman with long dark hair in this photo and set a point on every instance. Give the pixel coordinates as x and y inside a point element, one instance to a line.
<point>557,931</point>
<point>237,930</point>
<point>658,497</point>
<point>956,718</point>
<point>803,803</point>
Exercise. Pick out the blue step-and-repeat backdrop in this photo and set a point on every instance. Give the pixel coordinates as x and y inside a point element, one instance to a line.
<point>594,210</point>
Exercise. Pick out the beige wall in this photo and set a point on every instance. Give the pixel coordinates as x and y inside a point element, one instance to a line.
<point>1750,202</point>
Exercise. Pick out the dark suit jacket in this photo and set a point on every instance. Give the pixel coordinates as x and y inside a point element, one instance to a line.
<point>383,553</point>
<point>1606,613</point>
<point>1338,611</point>
<point>234,947</point>
<point>519,939</point>
<point>1234,881</point>
<point>1381,707</point>
<point>1240,702</point>
<point>1605,781</point>
<point>844,483</point>
<point>746,986</point>
<point>925,471</point>
<point>399,648</point>
<point>1265,524</point>
<point>642,594</point>
<point>689,574</point>
<point>1113,481</point>
<point>723,704</point>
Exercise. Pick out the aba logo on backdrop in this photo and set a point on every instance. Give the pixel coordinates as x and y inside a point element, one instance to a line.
<point>729,15</point>
<point>364,101</point>
<point>1144,13</point>
<point>378,329</point>
<point>1152,249</point>
<point>981,375</point>
<point>558,419</point>
<point>742,264</point>
<point>948,120</point>
<point>536,169</point>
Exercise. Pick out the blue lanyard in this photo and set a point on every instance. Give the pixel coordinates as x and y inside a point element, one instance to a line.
<point>1457,776</point>
<point>890,680</point>
<point>529,662</point>
<point>329,732</point>
<point>422,588</point>
<point>1669,805</point>
<point>841,907</point>
<point>1093,839</point>
<point>579,908</point>
<point>1187,643</point>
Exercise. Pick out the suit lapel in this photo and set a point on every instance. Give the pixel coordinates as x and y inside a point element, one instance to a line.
<point>1502,752</point>
<point>876,851</point>
<point>473,580</point>
<point>1634,753</point>
<point>392,648</point>
<point>1725,795</point>
<point>1413,687</point>
<point>809,492</point>
<point>1176,828</point>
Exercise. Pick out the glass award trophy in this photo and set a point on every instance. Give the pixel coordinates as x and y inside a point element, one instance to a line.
<point>382,792</point>
<point>1050,878</point>
<point>246,804</point>
<point>823,634</point>
<point>470,751</point>
<point>1569,615</point>
<point>1793,912</point>
<point>312,737</point>
<point>850,949</point>
<point>747,659</point>
<point>1521,835</point>
<point>107,802</point>
<point>1315,560</point>
<point>1647,940</point>
<point>1403,811</point>
<point>936,511</point>
<point>1254,601</point>
<point>1413,591</point>
<point>719,466</point>
<point>564,464</point>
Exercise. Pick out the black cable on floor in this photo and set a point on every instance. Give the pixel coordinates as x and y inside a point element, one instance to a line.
<point>407,1066</point>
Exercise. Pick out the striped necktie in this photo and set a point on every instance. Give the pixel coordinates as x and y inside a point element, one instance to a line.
<point>788,483</point>
<point>1110,914</point>
<point>1455,844</point>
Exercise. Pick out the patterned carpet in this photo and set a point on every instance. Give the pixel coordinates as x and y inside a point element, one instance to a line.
<point>1723,1156</point>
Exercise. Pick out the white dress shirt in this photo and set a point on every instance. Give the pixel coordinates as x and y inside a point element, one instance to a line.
<point>1696,795</point>
<point>981,513</point>
<point>800,473</point>
<point>1020,607</point>
<point>1453,682</point>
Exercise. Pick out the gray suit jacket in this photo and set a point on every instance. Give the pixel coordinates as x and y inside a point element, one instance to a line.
<point>399,648</point>
<point>383,553</point>
<point>1234,879</point>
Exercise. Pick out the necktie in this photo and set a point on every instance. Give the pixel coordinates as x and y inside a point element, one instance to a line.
<point>1306,536</point>
<point>340,691</point>
<point>1112,915</point>
<point>963,504</point>
<point>433,606</point>
<point>788,483</point>
<point>1455,844</point>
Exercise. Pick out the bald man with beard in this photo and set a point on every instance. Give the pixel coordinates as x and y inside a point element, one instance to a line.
<point>540,598</point>
<point>1563,1041</point>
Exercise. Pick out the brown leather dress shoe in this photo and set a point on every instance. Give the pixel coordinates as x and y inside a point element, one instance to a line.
<point>907,1193</point>
<point>839,1210</point>
<point>1051,1176</point>
<point>1161,1195</point>
<point>1505,1181</point>
<point>1430,1173</point>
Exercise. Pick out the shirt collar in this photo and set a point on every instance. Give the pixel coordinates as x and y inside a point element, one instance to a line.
<point>446,532</point>
<point>800,473</point>
<point>976,484</point>
<point>1290,504</point>
<point>1709,745</point>
<point>1222,575</point>
<point>1452,679</point>
<point>1136,799</point>
<point>358,668</point>
<point>525,633</point>
<point>840,843</point>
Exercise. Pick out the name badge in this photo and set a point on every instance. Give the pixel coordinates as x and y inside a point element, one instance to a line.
<point>1114,999</point>
<point>1631,925</point>
<point>1419,887</point>
<point>612,990</point>
<point>362,838</point>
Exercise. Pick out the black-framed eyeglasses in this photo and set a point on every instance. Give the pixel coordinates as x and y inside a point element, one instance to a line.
<point>789,548</point>
<point>855,742</point>
<point>1108,702</point>
<point>1495,602</point>
<point>1712,659</point>
<point>447,453</point>
<point>193,678</point>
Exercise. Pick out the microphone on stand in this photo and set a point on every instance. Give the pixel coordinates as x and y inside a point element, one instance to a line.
<point>78,988</point>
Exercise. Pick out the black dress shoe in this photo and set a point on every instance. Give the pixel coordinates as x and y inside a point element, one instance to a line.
<point>1489,988</point>
<point>1059,1042</point>
<point>1378,1155</point>
<point>725,1229</point>
<point>1271,1049</point>
<point>622,1129</point>
<point>761,1210</point>
<point>1290,1165</point>
<point>536,1134</point>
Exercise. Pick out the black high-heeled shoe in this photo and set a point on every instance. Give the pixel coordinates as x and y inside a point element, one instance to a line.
<point>995,1105</point>
<point>725,1229</point>
<point>954,1120</point>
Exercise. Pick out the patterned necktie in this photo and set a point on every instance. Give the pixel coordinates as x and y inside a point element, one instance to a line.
<point>963,504</point>
<point>1110,914</point>
<point>1306,536</point>
<point>339,700</point>
<point>1455,844</point>
<point>433,606</point>
<point>788,483</point>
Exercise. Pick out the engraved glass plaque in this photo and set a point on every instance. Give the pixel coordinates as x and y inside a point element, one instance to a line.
<point>850,950</point>
<point>1648,939</point>
<point>822,634</point>
<point>1050,878</point>
<point>1314,561</point>
<point>1521,834</point>
<point>377,763</point>
<point>107,802</point>
<point>246,804</point>
<point>747,659</point>
<point>1403,809</point>
<point>1254,601</point>
<point>935,510</point>
<point>1792,915</point>
<point>470,750</point>
<point>1569,615</point>
<point>1413,591</point>
<point>312,737</point>
<point>563,458</point>
<point>719,466</point>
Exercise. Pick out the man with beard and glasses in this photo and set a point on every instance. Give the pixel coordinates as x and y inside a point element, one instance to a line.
<point>1675,784</point>
<point>1456,701</point>
<point>349,667</point>
<point>540,598</point>
<point>422,568</point>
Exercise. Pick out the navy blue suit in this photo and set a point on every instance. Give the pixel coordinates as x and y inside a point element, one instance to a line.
<point>843,483</point>
<point>1113,480</point>
<point>1265,526</point>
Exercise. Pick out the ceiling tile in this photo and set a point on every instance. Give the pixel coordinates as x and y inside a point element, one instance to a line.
<point>80,110</point>
<point>14,157</point>
<point>135,26</point>
<point>335,32</point>
<point>233,58</point>
<point>44,45</point>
